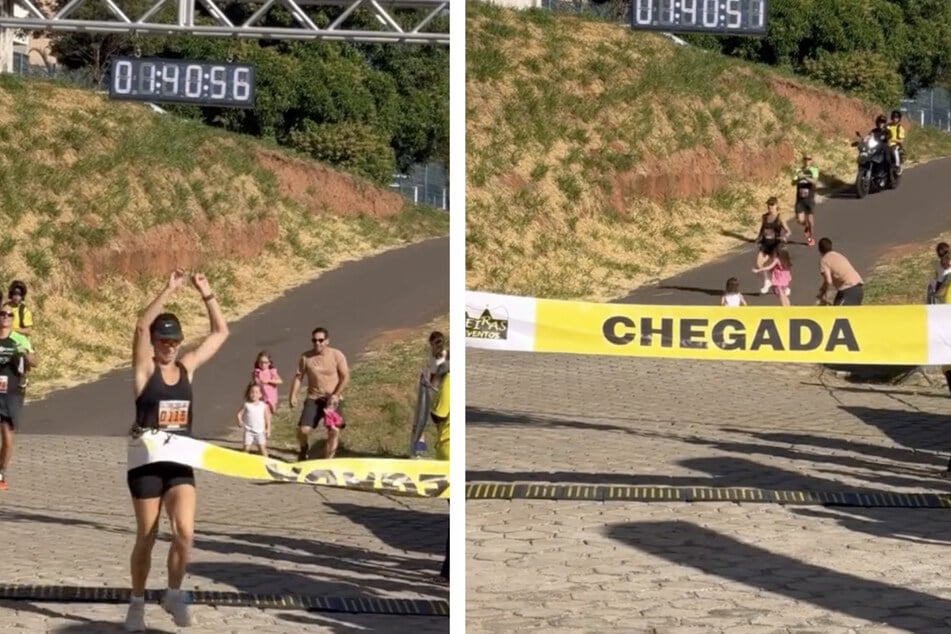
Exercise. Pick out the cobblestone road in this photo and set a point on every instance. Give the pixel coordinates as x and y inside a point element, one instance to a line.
<point>67,519</point>
<point>670,568</point>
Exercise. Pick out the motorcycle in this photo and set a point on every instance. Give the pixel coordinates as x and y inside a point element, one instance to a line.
<point>872,174</point>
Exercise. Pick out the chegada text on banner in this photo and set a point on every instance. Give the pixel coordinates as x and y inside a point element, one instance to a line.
<point>892,335</point>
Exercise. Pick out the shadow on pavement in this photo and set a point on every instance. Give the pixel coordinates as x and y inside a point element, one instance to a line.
<point>388,573</point>
<point>929,392</point>
<point>82,624</point>
<point>405,529</point>
<point>916,430</point>
<point>705,550</point>
<point>713,292</point>
<point>831,186</point>
<point>738,236</point>
<point>822,471</point>
<point>394,625</point>
<point>476,417</point>
<point>103,627</point>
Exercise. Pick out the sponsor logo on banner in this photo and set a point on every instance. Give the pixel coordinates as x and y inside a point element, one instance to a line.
<point>500,322</point>
<point>487,323</point>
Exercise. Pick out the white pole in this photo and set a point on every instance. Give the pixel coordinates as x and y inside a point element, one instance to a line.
<point>6,38</point>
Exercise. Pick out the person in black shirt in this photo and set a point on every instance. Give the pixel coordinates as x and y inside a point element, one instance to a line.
<point>16,355</point>
<point>883,135</point>
<point>773,231</point>
<point>163,405</point>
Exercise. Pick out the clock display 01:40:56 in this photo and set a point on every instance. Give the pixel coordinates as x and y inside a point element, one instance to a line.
<point>182,81</point>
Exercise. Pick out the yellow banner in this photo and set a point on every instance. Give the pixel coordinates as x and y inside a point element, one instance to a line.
<point>806,334</point>
<point>426,478</point>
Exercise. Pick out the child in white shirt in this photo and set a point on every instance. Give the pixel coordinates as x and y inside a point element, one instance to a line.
<point>255,418</point>
<point>733,296</point>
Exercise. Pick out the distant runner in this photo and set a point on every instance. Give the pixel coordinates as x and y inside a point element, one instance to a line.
<point>806,181</point>
<point>16,356</point>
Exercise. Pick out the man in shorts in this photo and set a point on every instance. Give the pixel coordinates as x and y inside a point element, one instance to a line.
<point>16,355</point>
<point>806,181</point>
<point>837,272</point>
<point>327,376</point>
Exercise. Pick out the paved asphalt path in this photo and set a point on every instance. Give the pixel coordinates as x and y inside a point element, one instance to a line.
<point>860,229</point>
<point>401,288</point>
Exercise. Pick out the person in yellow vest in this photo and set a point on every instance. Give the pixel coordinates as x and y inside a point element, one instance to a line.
<point>896,140</point>
<point>22,317</point>
<point>439,412</point>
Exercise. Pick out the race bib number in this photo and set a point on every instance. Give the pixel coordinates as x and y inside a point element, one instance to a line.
<point>804,192</point>
<point>769,234</point>
<point>173,415</point>
<point>4,382</point>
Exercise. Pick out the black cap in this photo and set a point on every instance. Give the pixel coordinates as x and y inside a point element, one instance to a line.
<point>17,286</point>
<point>166,326</point>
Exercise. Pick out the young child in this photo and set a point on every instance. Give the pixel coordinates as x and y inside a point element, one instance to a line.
<point>938,288</point>
<point>255,418</point>
<point>780,275</point>
<point>733,296</point>
<point>265,375</point>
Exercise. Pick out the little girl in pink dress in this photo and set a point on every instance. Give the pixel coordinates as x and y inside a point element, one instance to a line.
<point>266,376</point>
<point>779,266</point>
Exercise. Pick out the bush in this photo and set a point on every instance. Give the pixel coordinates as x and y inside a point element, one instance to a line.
<point>355,147</point>
<point>863,74</point>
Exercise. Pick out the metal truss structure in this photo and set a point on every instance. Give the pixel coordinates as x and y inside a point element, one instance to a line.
<point>190,10</point>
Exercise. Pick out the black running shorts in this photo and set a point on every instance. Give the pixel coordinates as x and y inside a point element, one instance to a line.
<point>154,480</point>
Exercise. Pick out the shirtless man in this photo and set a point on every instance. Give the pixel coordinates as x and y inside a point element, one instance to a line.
<point>327,375</point>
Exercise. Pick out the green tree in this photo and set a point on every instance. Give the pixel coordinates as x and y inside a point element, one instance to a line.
<point>311,89</point>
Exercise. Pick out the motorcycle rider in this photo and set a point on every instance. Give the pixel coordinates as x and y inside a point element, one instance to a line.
<point>806,180</point>
<point>883,135</point>
<point>896,140</point>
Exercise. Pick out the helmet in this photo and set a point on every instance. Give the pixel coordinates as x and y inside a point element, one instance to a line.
<point>880,119</point>
<point>19,286</point>
<point>896,114</point>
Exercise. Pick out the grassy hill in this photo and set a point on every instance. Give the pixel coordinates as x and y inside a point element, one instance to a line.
<point>599,159</point>
<point>101,199</point>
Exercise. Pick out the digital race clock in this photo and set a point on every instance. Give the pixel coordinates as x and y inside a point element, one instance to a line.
<point>718,17</point>
<point>182,81</point>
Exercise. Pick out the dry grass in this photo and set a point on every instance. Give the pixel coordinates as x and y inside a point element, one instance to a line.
<point>560,108</point>
<point>380,400</point>
<point>902,274</point>
<point>80,175</point>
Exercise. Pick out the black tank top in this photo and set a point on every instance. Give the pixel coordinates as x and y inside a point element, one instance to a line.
<point>771,230</point>
<point>165,407</point>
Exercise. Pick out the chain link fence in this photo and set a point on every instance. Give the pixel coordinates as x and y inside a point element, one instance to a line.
<point>424,185</point>
<point>931,107</point>
<point>78,78</point>
<point>607,10</point>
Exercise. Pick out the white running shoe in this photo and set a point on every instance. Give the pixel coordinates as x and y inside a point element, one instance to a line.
<point>787,291</point>
<point>175,605</point>
<point>135,617</point>
<point>766,286</point>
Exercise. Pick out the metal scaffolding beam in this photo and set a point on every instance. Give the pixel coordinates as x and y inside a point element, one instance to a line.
<point>188,12</point>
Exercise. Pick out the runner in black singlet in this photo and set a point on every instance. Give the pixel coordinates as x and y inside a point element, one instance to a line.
<point>163,402</point>
<point>772,232</point>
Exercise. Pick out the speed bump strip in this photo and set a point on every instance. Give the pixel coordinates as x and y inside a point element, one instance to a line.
<point>349,605</point>
<point>625,493</point>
